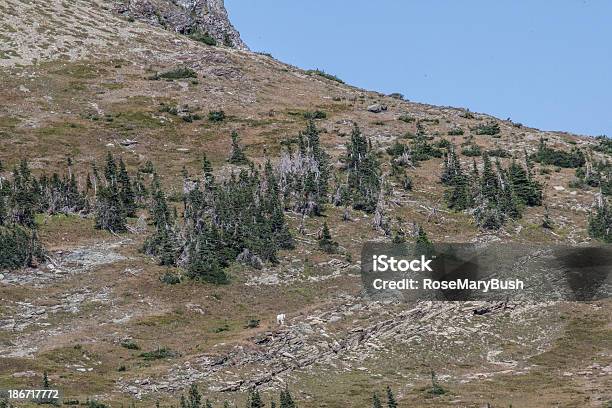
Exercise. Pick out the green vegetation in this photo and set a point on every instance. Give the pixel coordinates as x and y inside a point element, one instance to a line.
<point>326,243</point>
<point>203,38</point>
<point>436,388</point>
<point>115,198</point>
<point>421,149</point>
<point>177,73</point>
<point>406,118</point>
<point>472,150</point>
<point>600,222</point>
<point>604,145</point>
<point>324,75</point>
<point>237,156</point>
<point>130,345</point>
<point>495,195</point>
<point>489,128</point>
<point>216,116</point>
<point>456,131</point>
<point>549,156</point>
<point>318,114</point>
<point>363,184</point>
<point>158,354</point>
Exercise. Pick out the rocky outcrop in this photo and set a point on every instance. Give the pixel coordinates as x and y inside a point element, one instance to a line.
<point>186,16</point>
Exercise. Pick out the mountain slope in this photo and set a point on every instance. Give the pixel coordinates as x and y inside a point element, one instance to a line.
<point>78,80</point>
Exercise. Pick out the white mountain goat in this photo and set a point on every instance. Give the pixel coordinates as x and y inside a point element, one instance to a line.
<point>280,319</point>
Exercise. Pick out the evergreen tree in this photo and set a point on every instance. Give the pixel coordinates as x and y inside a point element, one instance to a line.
<point>45,382</point>
<point>237,156</point>
<point>207,170</point>
<point>204,263</point>
<point>311,134</point>
<point>255,400</point>
<point>110,210</point>
<point>489,182</point>
<point>391,403</point>
<point>125,190</point>
<point>326,243</point>
<point>547,221</point>
<point>600,221</point>
<point>274,210</point>
<point>527,190</point>
<point>24,200</point>
<point>286,400</point>
<point>363,173</point>
<point>376,401</point>
<point>3,209</point>
<point>422,244</point>
<point>195,399</point>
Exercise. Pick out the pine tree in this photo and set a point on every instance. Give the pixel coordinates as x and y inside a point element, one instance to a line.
<point>204,263</point>
<point>391,403</point>
<point>3,209</point>
<point>237,156</point>
<point>376,401</point>
<point>422,244</point>
<point>255,400</point>
<point>363,173</point>
<point>195,399</point>
<point>527,190</point>
<point>110,210</point>
<point>207,170</point>
<point>600,221</point>
<point>24,200</point>
<point>489,182</point>
<point>547,221</point>
<point>274,210</point>
<point>125,190</point>
<point>326,243</point>
<point>45,382</point>
<point>311,134</point>
<point>286,400</point>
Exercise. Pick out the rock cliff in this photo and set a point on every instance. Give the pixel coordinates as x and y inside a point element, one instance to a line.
<point>186,16</point>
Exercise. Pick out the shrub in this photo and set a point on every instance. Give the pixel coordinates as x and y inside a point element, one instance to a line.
<point>422,150</point>
<point>221,329</point>
<point>407,183</point>
<point>324,75</point>
<point>457,131</point>
<point>159,354</point>
<point>130,345</point>
<point>170,278</point>
<point>397,95</point>
<point>95,404</point>
<point>216,116</point>
<point>604,144</point>
<point>489,128</point>
<point>253,323</point>
<point>549,156</point>
<point>406,118</point>
<point>203,38</point>
<point>443,144</point>
<point>397,149</point>
<point>499,152</point>
<point>471,151</point>
<point>318,114</point>
<point>177,73</point>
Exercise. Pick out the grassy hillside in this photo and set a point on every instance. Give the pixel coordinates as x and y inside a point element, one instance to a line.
<point>77,81</point>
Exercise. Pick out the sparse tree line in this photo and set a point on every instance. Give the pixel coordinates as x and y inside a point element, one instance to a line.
<point>493,194</point>
<point>242,217</point>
